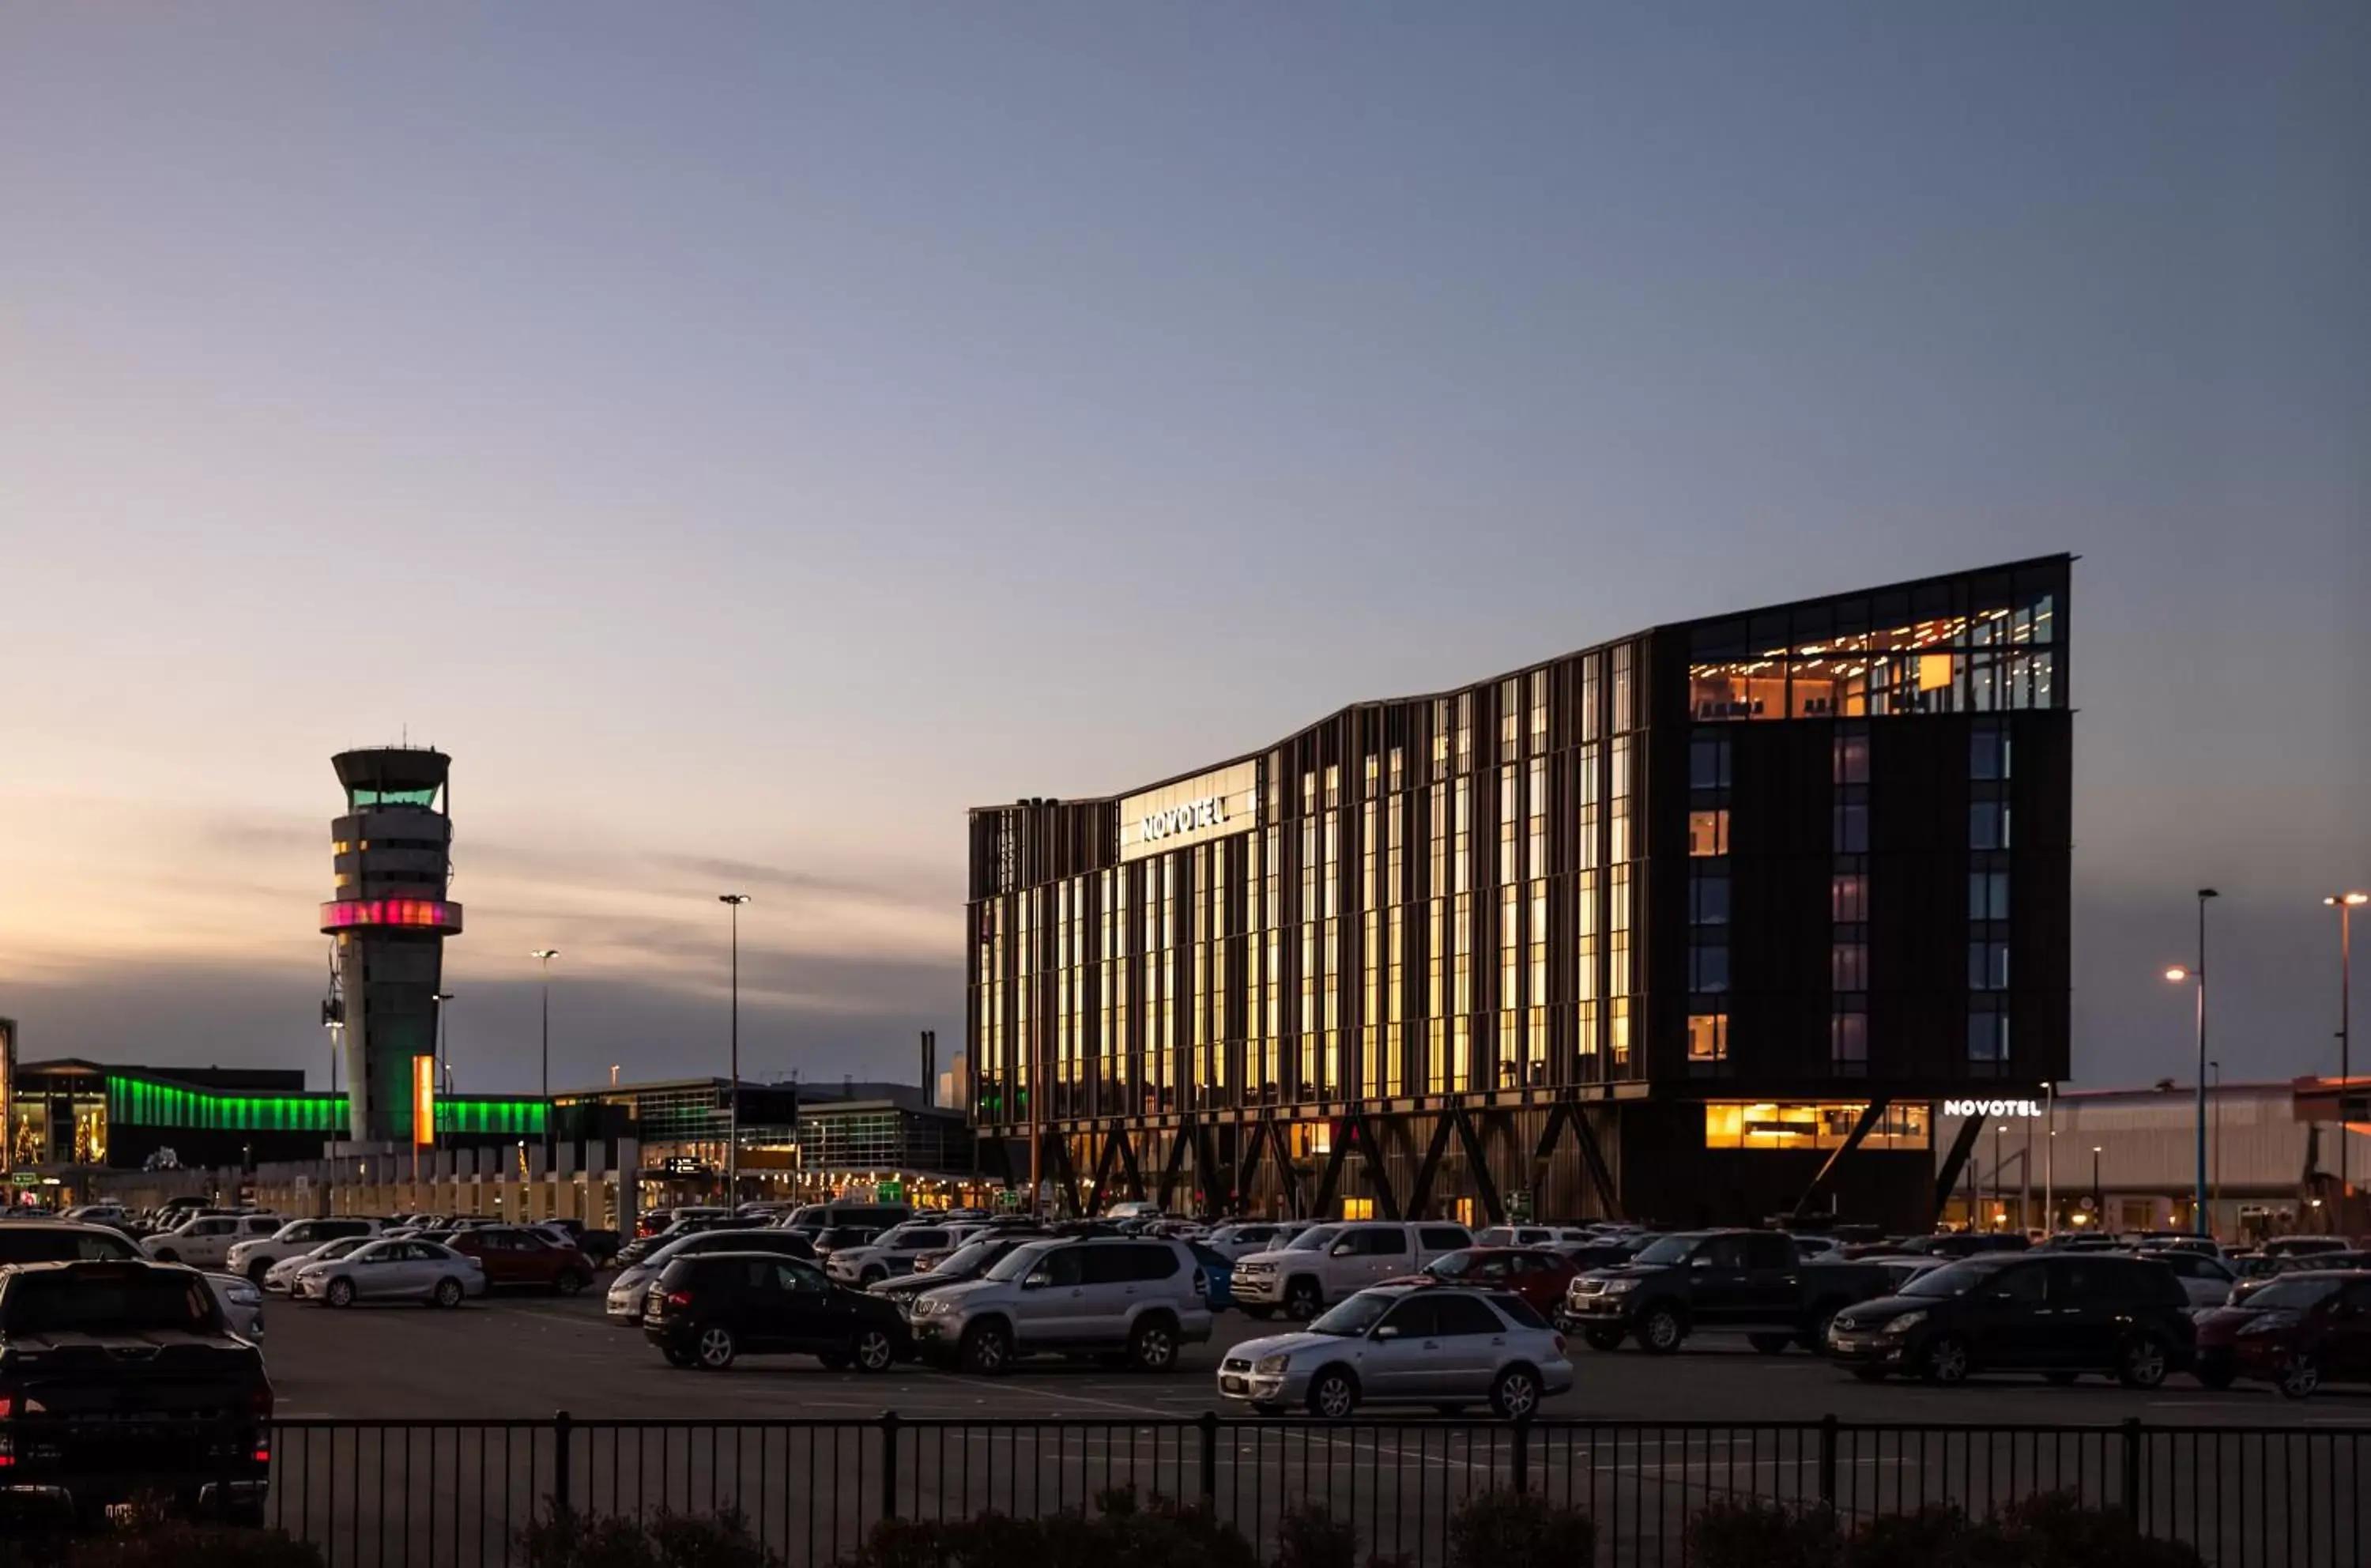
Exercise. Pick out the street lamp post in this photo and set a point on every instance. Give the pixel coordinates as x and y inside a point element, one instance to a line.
<point>733,1095</point>
<point>2099,1198</point>
<point>2196,975</point>
<point>2346,904</point>
<point>546,955</point>
<point>1998,1128</point>
<point>2217,1068</point>
<point>444,1056</point>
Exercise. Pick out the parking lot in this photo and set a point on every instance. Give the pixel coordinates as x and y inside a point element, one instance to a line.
<point>528,1356</point>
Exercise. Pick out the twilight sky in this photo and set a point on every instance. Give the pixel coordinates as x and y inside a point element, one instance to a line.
<point>746,435</point>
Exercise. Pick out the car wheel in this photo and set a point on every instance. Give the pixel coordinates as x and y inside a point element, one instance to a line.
<point>987,1349</point>
<point>873,1276</point>
<point>340,1294</point>
<point>2060,1379</point>
<point>716,1348</point>
<point>1869,1374</point>
<point>1770,1345</point>
<point>1302,1300</point>
<point>1333,1395</point>
<point>2298,1375</point>
<point>874,1350</point>
<point>569,1282</point>
<point>1660,1330</point>
<point>448,1292</point>
<point>1516,1395</point>
<point>1946,1360</point>
<point>1153,1347</point>
<point>2143,1362</point>
<point>257,1270</point>
<point>1602,1338</point>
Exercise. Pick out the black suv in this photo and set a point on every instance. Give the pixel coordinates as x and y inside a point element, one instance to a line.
<point>708,1308</point>
<point>2059,1314</point>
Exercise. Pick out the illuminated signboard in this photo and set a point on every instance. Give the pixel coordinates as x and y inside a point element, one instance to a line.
<point>2019,1108</point>
<point>424,1102</point>
<point>403,914</point>
<point>1192,811</point>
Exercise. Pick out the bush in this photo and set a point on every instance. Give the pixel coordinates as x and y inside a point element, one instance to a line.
<point>187,1545</point>
<point>565,1539</point>
<point>2056,1530</point>
<point>1764,1535</point>
<point>1120,1533</point>
<point>1934,1536</point>
<point>1309,1536</point>
<point>1520,1529</point>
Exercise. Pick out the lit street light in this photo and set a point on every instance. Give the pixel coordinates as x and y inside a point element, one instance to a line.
<point>2196,973</point>
<point>733,1095</point>
<point>2346,904</point>
<point>546,955</point>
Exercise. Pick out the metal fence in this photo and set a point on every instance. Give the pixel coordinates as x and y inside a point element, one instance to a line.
<point>373,1493</point>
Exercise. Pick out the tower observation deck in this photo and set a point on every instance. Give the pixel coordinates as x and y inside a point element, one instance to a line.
<point>392,858</point>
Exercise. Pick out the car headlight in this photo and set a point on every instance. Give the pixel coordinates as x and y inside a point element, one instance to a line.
<point>1902,1323</point>
<point>244,1294</point>
<point>1620,1286</point>
<point>1271,1366</point>
<point>930,1307</point>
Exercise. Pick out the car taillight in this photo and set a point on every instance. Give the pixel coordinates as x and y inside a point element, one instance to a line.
<point>7,1404</point>
<point>678,1299</point>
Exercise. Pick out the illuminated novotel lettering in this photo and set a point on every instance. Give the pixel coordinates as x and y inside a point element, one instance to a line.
<point>1991,1108</point>
<point>1209,811</point>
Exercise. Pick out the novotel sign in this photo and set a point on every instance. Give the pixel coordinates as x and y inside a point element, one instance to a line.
<point>1210,811</point>
<point>1991,1108</point>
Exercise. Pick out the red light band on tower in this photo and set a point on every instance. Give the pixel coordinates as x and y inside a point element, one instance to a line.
<point>416,914</point>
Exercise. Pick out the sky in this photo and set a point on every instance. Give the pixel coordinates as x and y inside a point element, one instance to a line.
<point>745,437</point>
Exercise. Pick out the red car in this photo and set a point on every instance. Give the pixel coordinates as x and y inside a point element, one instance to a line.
<point>1536,1274</point>
<point>515,1258</point>
<point>2297,1332</point>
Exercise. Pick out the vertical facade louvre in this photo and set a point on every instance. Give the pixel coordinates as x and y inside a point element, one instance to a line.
<point>1671,886</point>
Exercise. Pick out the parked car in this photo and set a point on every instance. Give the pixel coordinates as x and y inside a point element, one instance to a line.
<point>708,1310</point>
<point>625,1300</point>
<point>2058,1314</point>
<point>62,1242</point>
<point>205,1242</point>
<point>1334,1263</point>
<point>2298,1246</point>
<point>968,1262</point>
<point>656,1222</point>
<point>890,1254</point>
<point>515,1257</point>
<point>99,1358</point>
<point>835,1237</point>
<point>254,1257</point>
<point>1108,1295</point>
<point>2296,1332</point>
<point>2207,1281</point>
<point>1132,1208</point>
<point>281,1278</point>
<point>1533,1236</point>
<point>1755,1280</point>
<point>1536,1274</point>
<point>240,1301</point>
<point>815,1219</point>
<point>98,1214</point>
<point>1240,1239</point>
<point>1970,1243</point>
<point>392,1271</point>
<point>692,1223</point>
<point>1404,1344</point>
<point>1218,1273</point>
<point>2282,1268</point>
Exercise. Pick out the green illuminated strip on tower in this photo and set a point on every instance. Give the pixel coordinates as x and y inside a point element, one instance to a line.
<point>142,1103</point>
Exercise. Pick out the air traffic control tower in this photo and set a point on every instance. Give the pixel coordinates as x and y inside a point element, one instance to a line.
<point>389,919</point>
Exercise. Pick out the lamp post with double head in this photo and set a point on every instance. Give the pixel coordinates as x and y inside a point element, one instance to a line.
<point>733,1095</point>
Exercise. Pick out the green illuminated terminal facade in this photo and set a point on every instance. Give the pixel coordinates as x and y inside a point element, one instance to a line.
<point>78,1114</point>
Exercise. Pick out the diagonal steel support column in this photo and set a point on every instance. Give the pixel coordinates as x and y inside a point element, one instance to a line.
<point>1871,1116</point>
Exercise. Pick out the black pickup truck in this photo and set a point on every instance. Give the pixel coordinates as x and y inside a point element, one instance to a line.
<point>119,1381</point>
<point>1754,1281</point>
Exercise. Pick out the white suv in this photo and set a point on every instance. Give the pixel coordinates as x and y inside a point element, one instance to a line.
<point>254,1258</point>
<point>1242,1237</point>
<point>1332,1262</point>
<point>1143,1295</point>
<point>890,1254</point>
<point>205,1241</point>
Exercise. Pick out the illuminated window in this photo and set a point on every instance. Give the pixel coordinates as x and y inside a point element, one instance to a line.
<point>1708,833</point>
<point>1848,897</point>
<point>1357,1208</point>
<point>1708,1037</point>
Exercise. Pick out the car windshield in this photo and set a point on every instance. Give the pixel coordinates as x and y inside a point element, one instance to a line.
<point>967,1258</point>
<point>1670,1250</point>
<point>1355,1316</point>
<point>1456,1265</point>
<point>1315,1241</point>
<point>1019,1261</point>
<point>1952,1279</point>
<point>2295,1294</point>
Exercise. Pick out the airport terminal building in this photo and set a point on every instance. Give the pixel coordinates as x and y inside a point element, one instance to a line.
<point>1696,925</point>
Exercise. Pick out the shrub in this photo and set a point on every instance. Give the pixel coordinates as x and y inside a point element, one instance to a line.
<point>1309,1536</point>
<point>1520,1529</point>
<point>566,1539</point>
<point>1738,1534</point>
<point>1936,1536</point>
<point>187,1545</point>
<point>1121,1533</point>
<point>2057,1530</point>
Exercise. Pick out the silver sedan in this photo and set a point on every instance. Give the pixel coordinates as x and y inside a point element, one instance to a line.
<point>393,1271</point>
<point>1406,1345</point>
<point>279,1279</point>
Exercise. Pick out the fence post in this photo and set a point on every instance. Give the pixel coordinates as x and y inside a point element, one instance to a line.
<point>562,1425</point>
<point>888,1464</point>
<point>1828,1460</point>
<point>1522,1453</point>
<point>2132,1468</point>
<point>1209,1426</point>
